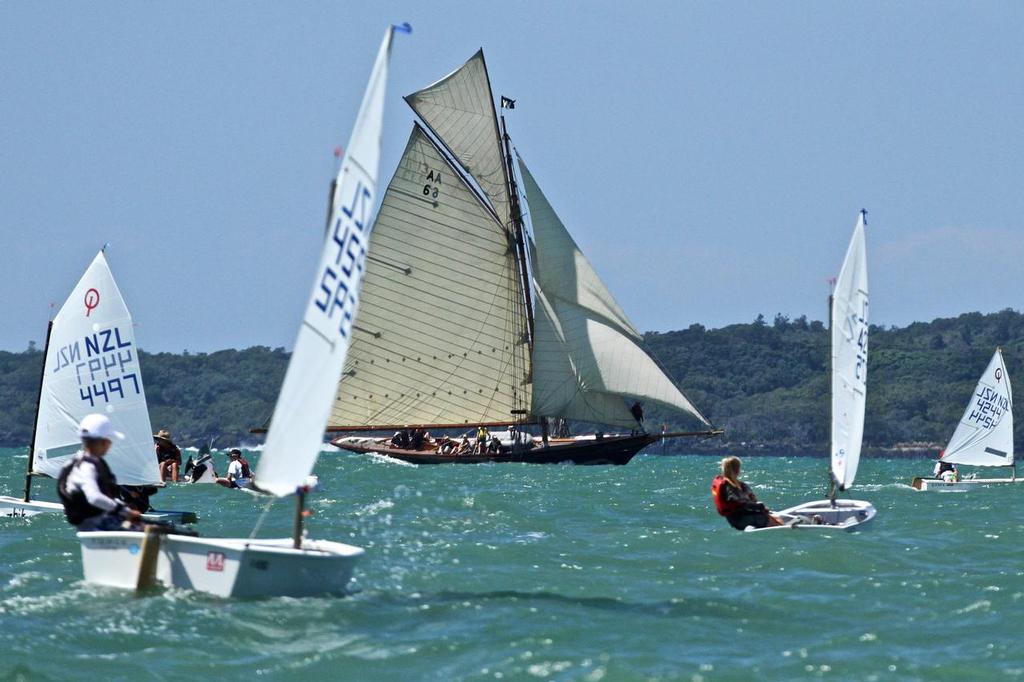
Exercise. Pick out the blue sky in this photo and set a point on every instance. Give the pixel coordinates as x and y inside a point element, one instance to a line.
<point>710,158</point>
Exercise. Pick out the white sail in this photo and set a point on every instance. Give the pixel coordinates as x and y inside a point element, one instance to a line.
<point>296,430</point>
<point>459,110</point>
<point>984,436</point>
<point>92,365</point>
<point>588,364</point>
<point>441,337</point>
<point>849,359</point>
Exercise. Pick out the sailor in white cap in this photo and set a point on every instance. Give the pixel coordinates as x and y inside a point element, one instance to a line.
<point>86,485</point>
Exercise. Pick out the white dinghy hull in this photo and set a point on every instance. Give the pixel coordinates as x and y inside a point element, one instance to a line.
<point>17,507</point>
<point>937,485</point>
<point>225,567</point>
<point>824,515</point>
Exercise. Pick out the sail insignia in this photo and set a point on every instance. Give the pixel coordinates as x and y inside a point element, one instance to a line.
<point>984,436</point>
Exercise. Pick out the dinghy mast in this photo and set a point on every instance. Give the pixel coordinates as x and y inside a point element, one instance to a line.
<point>35,419</point>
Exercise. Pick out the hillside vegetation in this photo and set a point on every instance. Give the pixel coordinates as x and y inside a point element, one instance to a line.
<point>766,383</point>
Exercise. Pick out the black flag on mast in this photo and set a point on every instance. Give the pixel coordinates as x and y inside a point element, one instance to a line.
<point>507,102</point>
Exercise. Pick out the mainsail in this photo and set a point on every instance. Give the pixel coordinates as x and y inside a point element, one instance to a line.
<point>588,361</point>
<point>984,436</point>
<point>296,430</point>
<point>92,365</point>
<point>459,110</point>
<point>441,337</point>
<point>849,330</point>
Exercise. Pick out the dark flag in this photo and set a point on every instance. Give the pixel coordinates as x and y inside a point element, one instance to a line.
<point>507,103</point>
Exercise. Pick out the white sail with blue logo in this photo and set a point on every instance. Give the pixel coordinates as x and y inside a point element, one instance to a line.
<point>849,359</point>
<point>300,416</point>
<point>984,436</point>
<point>92,366</point>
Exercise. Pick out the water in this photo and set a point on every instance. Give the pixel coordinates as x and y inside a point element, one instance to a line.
<point>557,572</point>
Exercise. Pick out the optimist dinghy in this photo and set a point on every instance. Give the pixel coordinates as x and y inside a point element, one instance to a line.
<point>848,312</point>
<point>296,566</point>
<point>91,364</point>
<point>984,436</point>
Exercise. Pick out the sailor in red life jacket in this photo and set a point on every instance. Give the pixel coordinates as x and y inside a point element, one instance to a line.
<point>239,473</point>
<point>736,501</point>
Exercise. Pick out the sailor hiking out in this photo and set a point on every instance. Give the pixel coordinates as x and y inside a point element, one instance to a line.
<point>87,487</point>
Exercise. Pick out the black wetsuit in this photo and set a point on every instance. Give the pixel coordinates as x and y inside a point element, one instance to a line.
<point>750,511</point>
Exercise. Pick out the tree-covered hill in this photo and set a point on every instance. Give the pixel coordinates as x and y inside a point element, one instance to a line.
<point>765,383</point>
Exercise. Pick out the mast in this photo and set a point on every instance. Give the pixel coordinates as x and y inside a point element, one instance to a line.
<point>517,229</point>
<point>832,483</point>
<point>35,421</point>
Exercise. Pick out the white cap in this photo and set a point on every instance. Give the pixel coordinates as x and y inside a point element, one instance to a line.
<point>98,426</point>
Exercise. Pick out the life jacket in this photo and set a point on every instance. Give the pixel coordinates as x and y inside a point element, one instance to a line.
<point>76,507</point>
<point>724,507</point>
<point>246,471</point>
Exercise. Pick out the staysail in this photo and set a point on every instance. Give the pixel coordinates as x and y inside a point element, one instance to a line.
<point>441,339</point>
<point>92,365</point>
<point>984,436</point>
<point>459,110</point>
<point>849,331</point>
<point>588,362</point>
<point>303,406</point>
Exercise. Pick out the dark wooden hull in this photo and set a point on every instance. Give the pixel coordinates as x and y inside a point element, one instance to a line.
<point>608,450</point>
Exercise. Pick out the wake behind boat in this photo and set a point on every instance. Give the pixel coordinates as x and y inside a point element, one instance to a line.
<point>90,363</point>
<point>983,437</point>
<point>848,314</point>
<point>467,321</point>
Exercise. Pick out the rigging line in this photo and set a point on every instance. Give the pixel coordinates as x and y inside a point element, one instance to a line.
<point>259,521</point>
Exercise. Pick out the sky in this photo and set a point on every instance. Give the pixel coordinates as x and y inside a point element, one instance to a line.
<point>709,158</point>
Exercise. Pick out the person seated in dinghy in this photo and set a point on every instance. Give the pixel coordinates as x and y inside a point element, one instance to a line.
<point>736,501</point>
<point>239,473</point>
<point>946,471</point>
<point>167,454</point>
<point>86,485</point>
<point>445,446</point>
<point>401,439</point>
<point>465,447</point>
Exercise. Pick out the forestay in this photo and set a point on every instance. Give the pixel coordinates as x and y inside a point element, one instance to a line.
<point>92,365</point>
<point>303,406</point>
<point>441,337</point>
<point>459,110</point>
<point>849,359</point>
<point>588,363</point>
<point>984,436</point>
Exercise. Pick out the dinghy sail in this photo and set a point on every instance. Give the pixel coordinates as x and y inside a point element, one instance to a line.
<point>91,364</point>
<point>295,566</point>
<point>848,311</point>
<point>984,435</point>
<point>455,334</point>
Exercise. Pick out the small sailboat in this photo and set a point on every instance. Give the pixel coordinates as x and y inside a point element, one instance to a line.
<point>984,436</point>
<point>91,364</point>
<point>848,312</point>
<point>467,322</point>
<point>296,566</point>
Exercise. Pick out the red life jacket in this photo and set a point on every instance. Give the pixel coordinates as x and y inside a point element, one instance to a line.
<point>246,471</point>
<point>725,508</point>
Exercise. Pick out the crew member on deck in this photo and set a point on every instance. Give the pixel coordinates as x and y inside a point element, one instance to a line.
<point>482,436</point>
<point>168,454</point>
<point>239,473</point>
<point>736,501</point>
<point>87,487</point>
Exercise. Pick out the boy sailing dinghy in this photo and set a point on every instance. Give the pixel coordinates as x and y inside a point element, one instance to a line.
<point>91,364</point>
<point>848,314</point>
<point>455,334</point>
<point>296,566</point>
<point>984,436</point>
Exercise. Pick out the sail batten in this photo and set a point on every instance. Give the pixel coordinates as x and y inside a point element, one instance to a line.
<point>447,329</point>
<point>849,334</point>
<point>92,365</point>
<point>984,435</point>
<point>588,362</point>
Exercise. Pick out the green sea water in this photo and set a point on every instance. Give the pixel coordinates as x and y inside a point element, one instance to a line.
<point>520,572</point>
